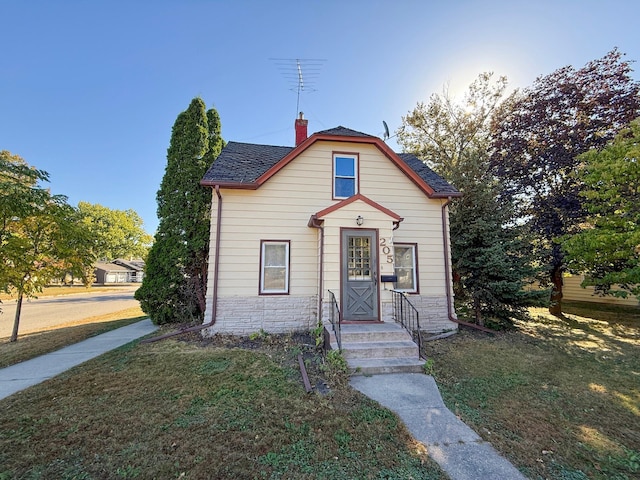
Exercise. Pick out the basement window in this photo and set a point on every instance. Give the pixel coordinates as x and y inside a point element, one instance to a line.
<point>274,267</point>
<point>345,175</point>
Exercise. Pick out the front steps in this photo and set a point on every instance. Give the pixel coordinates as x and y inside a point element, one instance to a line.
<point>376,348</point>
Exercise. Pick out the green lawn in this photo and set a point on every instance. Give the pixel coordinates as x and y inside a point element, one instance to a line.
<point>559,398</point>
<point>185,408</point>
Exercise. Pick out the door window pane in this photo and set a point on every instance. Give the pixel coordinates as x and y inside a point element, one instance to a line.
<point>359,258</point>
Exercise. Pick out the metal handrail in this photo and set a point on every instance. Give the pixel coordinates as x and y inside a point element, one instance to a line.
<point>334,314</point>
<point>407,315</point>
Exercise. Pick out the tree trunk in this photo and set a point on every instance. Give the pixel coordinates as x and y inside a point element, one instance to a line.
<point>556,293</point>
<point>478,312</point>
<point>16,321</point>
<point>202,289</point>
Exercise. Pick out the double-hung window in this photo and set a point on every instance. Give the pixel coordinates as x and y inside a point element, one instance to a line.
<point>406,267</point>
<point>274,267</point>
<point>345,175</point>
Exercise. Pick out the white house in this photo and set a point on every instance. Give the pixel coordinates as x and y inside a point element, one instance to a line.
<point>340,215</point>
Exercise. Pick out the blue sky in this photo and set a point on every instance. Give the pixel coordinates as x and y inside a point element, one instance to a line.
<point>89,90</point>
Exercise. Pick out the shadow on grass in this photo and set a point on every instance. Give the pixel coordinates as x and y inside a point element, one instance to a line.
<point>558,397</point>
<point>620,314</point>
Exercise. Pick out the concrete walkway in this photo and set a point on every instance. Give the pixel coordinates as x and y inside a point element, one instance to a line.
<point>459,451</point>
<point>31,372</point>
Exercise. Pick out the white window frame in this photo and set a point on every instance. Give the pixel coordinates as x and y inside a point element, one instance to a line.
<point>414,253</point>
<point>263,246</point>
<point>356,167</point>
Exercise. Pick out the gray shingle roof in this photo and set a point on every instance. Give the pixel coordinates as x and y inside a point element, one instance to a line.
<point>343,132</point>
<point>111,267</point>
<point>245,162</point>
<point>435,181</point>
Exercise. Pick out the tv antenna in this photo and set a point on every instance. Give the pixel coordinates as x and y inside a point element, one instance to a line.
<point>300,73</point>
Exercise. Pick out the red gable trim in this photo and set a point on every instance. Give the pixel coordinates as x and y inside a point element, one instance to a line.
<point>390,154</point>
<point>355,198</point>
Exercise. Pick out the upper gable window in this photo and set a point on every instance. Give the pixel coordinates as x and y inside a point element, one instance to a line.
<point>345,175</point>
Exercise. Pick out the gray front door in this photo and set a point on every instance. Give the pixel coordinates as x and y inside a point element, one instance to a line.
<point>359,275</point>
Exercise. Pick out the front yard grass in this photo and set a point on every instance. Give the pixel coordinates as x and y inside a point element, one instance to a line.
<point>559,397</point>
<point>188,408</point>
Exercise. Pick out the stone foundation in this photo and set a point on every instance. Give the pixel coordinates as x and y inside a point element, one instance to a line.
<point>284,314</point>
<point>434,317</point>
<point>273,314</point>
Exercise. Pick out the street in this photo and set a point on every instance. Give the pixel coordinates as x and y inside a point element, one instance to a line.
<point>48,312</point>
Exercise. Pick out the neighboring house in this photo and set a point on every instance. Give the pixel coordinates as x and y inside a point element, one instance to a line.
<point>135,267</point>
<point>119,271</point>
<point>340,213</point>
<point>572,291</point>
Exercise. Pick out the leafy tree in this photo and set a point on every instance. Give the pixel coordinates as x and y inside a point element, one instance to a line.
<point>114,233</point>
<point>34,247</point>
<point>607,249</point>
<point>37,252</point>
<point>174,286</point>
<point>19,196</point>
<point>79,248</point>
<point>539,133</point>
<point>491,263</point>
<point>443,132</point>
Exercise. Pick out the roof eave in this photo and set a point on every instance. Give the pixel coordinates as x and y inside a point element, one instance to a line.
<point>446,195</point>
<point>227,184</point>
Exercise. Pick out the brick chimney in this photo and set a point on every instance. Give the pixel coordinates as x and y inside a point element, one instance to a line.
<point>301,129</point>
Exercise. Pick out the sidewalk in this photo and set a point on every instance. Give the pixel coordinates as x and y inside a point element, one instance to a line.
<point>31,372</point>
<point>459,451</point>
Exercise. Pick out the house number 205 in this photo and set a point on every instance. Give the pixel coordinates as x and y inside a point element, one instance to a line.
<point>386,250</point>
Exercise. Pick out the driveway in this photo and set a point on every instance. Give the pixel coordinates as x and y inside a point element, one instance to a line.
<point>49,312</point>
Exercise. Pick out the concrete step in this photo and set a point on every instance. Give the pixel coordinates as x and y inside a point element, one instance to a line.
<point>373,332</point>
<point>404,348</point>
<point>376,366</point>
<point>371,349</point>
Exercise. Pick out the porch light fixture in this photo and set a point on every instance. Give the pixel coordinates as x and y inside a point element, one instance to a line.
<point>359,220</point>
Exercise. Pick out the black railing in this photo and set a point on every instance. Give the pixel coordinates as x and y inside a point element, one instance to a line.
<point>407,315</point>
<point>334,317</point>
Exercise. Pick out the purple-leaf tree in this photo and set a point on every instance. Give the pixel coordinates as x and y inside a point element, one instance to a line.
<point>538,134</point>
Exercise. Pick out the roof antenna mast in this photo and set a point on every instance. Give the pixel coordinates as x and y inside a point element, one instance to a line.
<point>300,73</point>
<point>300,84</point>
